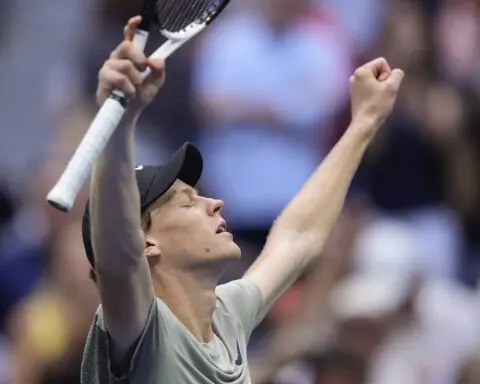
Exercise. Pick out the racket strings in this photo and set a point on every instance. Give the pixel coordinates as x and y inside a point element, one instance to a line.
<point>175,15</point>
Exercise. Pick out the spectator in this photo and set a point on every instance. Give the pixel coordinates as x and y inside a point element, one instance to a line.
<point>268,79</point>
<point>457,39</point>
<point>33,32</point>
<point>47,330</point>
<point>411,170</point>
<point>27,238</point>
<point>432,324</point>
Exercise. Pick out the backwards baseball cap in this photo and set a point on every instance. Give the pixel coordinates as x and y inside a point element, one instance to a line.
<point>186,165</point>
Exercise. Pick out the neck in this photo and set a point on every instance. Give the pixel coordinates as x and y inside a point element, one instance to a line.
<point>190,297</point>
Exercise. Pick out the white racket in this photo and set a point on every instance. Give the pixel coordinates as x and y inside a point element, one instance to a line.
<point>178,21</point>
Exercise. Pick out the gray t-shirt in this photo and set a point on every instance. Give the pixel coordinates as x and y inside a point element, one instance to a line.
<point>167,353</point>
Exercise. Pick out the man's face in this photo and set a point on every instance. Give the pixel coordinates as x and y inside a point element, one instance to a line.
<point>189,231</point>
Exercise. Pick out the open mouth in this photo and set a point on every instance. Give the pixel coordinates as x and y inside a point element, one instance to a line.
<point>222,228</point>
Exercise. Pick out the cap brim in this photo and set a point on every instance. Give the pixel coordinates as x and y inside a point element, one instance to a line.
<point>186,165</point>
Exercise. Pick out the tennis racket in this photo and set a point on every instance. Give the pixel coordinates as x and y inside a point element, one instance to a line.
<point>178,21</point>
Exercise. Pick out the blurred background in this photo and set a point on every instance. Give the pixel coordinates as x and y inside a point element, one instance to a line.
<point>264,93</point>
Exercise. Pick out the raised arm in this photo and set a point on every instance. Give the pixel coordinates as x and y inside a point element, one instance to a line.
<point>299,234</point>
<point>122,271</point>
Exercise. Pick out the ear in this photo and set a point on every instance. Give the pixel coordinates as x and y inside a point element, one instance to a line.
<point>152,249</point>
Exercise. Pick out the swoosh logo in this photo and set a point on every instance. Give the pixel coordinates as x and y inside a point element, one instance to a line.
<point>239,360</point>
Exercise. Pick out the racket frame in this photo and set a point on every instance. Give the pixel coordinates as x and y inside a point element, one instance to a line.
<point>64,193</point>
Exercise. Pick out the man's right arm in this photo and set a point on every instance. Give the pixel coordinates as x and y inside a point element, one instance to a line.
<point>122,271</point>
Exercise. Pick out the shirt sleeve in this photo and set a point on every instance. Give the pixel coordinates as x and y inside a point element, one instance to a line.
<point>96,364</point>
<point>243,299</point>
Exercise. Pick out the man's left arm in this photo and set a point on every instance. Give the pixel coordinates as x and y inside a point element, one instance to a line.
<point>301,231</point>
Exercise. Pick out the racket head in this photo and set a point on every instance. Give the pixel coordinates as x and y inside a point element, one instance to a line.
<point>180,19</point>
<point>149,15</point>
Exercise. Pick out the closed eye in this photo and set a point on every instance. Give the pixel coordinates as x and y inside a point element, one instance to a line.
<point>188,196</point>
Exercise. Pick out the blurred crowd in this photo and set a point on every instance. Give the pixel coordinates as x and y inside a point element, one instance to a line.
<point>264,94</point>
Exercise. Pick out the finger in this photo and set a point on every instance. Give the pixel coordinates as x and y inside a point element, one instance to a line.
<point>379,67</point>
<point>396,77</point>
<point>127,50</point>
<point>115,80</point>
<point>383,76</point>
<point>131,27</point>
<point>361,73</point>
<point>127,68</point>
<point>157,66</point>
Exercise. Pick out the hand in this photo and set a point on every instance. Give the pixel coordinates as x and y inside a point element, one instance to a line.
<point>374,88</point>
<point>123,71</point>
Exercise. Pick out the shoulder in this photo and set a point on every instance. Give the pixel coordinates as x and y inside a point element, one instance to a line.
<point>242,298</point>
<point>239,302</point>
<point>148,351</point>
<point>237,289</point>
<point>158,310</point>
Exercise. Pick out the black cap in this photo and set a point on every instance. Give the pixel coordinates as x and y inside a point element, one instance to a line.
<point>186,165</point>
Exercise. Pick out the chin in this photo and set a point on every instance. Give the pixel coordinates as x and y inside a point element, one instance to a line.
<point>238,252</point>
<point>228,251</point>
<point>220,251</point>
<point>232,251</point>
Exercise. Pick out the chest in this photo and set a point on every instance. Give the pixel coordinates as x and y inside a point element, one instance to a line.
<point>222,360</point>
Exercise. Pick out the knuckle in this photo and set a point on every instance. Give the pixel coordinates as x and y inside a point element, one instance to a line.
<point>109,63</point>
<point>158,67</point>
<point>118,51</point>
<point>122,80</point>
<point>125,45</point>
<point>140,60</point>
<point>103,70</point>
<point>117,81</point>
<point>126,66</point>
<point>359,72</point>
<point>125,85</point>
<point>124,49</point>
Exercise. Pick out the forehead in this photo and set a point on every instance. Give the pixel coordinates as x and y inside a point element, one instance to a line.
<point>178,188</point>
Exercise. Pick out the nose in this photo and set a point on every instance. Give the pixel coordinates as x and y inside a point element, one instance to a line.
<point>215,206</point>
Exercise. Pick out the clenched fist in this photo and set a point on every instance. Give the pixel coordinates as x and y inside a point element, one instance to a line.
<point>374,88</point>
<point>123,71</point>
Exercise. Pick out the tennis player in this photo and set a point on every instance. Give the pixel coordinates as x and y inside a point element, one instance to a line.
<point>158,248</point>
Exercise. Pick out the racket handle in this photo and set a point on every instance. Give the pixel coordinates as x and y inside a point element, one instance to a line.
<point>140,39</point>
<point>65,192</point>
